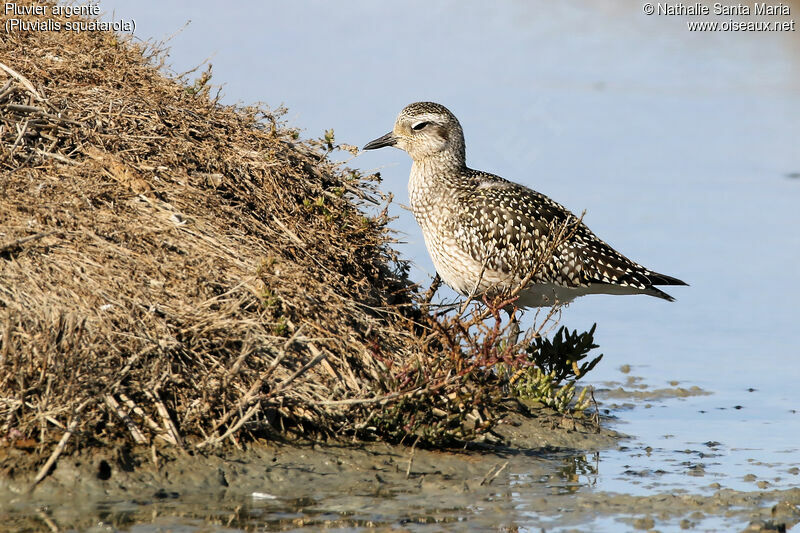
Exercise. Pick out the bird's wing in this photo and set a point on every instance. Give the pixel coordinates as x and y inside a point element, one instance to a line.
<point>511,228</point>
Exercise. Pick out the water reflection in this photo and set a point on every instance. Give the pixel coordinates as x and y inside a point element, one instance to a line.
<point>577,466</point>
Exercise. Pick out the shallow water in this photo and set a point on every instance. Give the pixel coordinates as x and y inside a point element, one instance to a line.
<point>681,146</point>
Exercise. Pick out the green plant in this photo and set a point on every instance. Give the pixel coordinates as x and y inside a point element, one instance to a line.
<point>551,363</point>
<point>329,139</point>
<point>534,384</point>
<point>561,356</point>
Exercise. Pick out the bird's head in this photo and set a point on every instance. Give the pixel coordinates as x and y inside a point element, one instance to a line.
<point>425,129</point>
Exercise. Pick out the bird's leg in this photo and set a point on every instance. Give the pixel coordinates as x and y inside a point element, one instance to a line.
<point>512,340</point>
<point>435,284</point>
<point>514,331</point>
<point>474,290</point>
<point>512,337</point>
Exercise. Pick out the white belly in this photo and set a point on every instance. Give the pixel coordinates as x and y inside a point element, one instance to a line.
<point>548,294</point>
<point>467,277</point>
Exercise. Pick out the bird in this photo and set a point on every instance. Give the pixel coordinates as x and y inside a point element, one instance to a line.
<point>488,235</point>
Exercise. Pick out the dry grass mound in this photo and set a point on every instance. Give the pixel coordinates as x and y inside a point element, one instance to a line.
<point>172,256</point>
<point>177,271</point>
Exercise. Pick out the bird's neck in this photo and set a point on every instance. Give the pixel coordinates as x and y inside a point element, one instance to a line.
<point>439,167</point>
<point>433,179</point>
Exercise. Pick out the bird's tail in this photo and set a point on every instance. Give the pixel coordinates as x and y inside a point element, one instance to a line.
<point>662,279</point>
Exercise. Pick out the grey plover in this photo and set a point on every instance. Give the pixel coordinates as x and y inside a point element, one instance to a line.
<point>486,233</point>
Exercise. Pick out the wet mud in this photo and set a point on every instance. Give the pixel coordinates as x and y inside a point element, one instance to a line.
<point>538,472</point>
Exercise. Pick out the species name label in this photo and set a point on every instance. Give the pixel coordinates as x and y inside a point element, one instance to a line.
<point>26,17</point>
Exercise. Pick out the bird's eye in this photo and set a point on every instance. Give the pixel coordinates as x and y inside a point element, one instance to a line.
<point>419,125</point>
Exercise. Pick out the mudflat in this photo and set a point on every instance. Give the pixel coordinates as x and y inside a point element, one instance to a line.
<point>539,464</point>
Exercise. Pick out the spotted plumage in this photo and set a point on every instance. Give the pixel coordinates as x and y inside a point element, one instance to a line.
<point>485,233</point>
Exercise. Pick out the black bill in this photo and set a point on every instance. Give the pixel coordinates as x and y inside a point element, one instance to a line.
<point>387,140</point>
